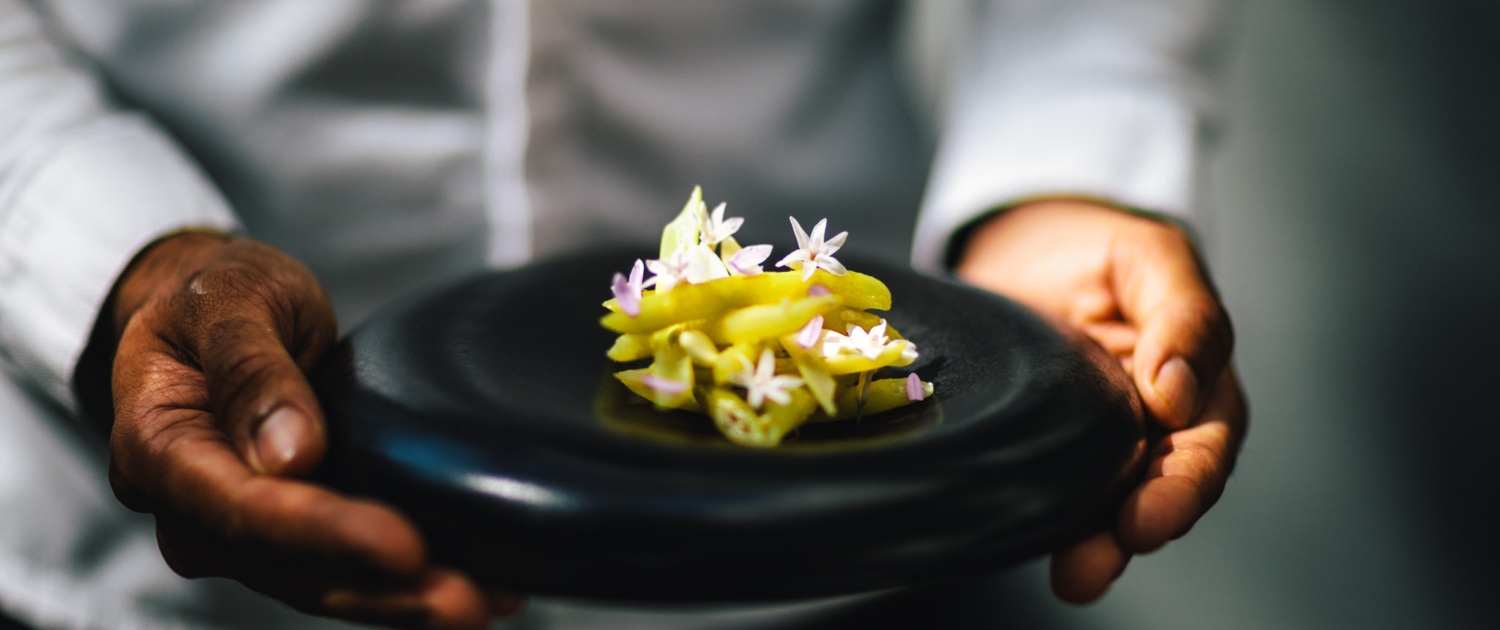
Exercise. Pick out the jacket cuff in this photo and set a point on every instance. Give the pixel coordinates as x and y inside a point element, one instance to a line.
<point>73,215</point>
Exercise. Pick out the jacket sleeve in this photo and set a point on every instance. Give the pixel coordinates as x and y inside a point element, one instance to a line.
<point>1103,99</point>
<point>83,187</point>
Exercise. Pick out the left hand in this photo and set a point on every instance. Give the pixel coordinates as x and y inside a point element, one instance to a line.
<point>1135,286</point>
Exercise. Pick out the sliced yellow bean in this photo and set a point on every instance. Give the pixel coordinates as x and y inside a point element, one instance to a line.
<point>839,322</point>
<point>682,232</point>
<point>742,425</point>
<point>885,394</point>
<point>765,321</point>
<point>630,348</point>
<point>711,299</point>
<point>672,363</point>
<point>854,363</point>
<point>814,373</point>
<point>634,380</point>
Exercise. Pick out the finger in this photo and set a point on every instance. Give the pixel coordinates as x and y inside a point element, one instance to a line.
<point>1189,475</point>
<point>243,325</point>
<point>1081,573</point>
<point>1185,335</point>
<point>436,598</point>
<point>180,461</point>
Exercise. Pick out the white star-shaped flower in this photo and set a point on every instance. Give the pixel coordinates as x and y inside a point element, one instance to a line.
<point>813,253</point>
<point>870,343</point>
<point>761,382</point>
<point>692,265</point>
<point>714,228</point>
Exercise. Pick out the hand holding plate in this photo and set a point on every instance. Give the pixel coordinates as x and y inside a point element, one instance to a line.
<point>1136,286</point>
<point>214,422</point>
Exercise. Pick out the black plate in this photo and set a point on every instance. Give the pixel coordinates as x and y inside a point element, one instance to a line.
<point>487,412</point>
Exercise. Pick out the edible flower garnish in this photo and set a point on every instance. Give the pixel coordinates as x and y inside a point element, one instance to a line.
<point>694,265</point>
<point>715,228</point>
<point>748,347</point>
<point>761,382</point>
<point>914,389</point>
<point>628,291</point>
<point>813,253</point>
<point>811,333</point>
<point>870,344</point>
<point>746,262</point>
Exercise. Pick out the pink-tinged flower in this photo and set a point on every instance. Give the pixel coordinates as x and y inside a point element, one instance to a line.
<point>746,262</point>
<point>714,228</point>
<point>915,391</point>
<point>662,385</point>
<point>811,333</point>
<point>761,382</point>
<point>813,253</point>
<point>628,291</point>
<point>818,290</point>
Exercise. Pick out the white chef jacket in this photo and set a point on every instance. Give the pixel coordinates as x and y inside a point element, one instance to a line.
<point>392,145</point>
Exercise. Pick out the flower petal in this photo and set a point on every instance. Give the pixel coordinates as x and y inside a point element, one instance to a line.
<point>664,385</point>
<point>815,242</point>
<point>809,335</point>
<point>799,256</point>
<point>746,262</point>
<point>703,265</point>
<point>833,244</point>
<point>637,272</point>
<point>627,294</point>
<point>914,389</point>
<point>831,265</point>
<point>801,236</point>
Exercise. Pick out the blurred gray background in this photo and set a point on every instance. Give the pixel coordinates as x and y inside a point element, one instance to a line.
<point>1353,218</point>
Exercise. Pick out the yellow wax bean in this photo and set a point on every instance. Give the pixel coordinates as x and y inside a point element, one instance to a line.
<point>839,321</point>
<point>853,363</point>
<point>672,363</point>
<point>858,290</point>
<point>814,373</point>
<point>885,394</point>
<point>742,425</point>
<point>733,359</point>
<point>634,381</point>
<point>778,420</point>
<point>699,347</point>
<point>765,321</point>
<point>727,249</point>
<point>630,348</point>
<point>682,232</point>
<point>687,302</point>
<point>684,302</point>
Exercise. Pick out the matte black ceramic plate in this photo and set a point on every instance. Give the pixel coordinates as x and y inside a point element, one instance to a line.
<point>487,412</point>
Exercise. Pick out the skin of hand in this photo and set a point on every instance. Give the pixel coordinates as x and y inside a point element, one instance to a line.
<point>1136,286</point>
<point>215,422</point>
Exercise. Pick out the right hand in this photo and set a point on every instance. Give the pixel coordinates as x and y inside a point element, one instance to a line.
<point>215,422</point>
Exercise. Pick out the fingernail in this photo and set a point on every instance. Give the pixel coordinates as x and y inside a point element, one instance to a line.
<point>504,604</point>
<point>277,439</point>
<point>1176,383</point>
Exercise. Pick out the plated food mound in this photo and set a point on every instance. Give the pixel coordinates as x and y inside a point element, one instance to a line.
<point>761,352</point>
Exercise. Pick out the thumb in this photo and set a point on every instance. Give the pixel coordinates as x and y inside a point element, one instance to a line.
<point>252,346</point>
<point>261,398</point>
<point>1185,334</point>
